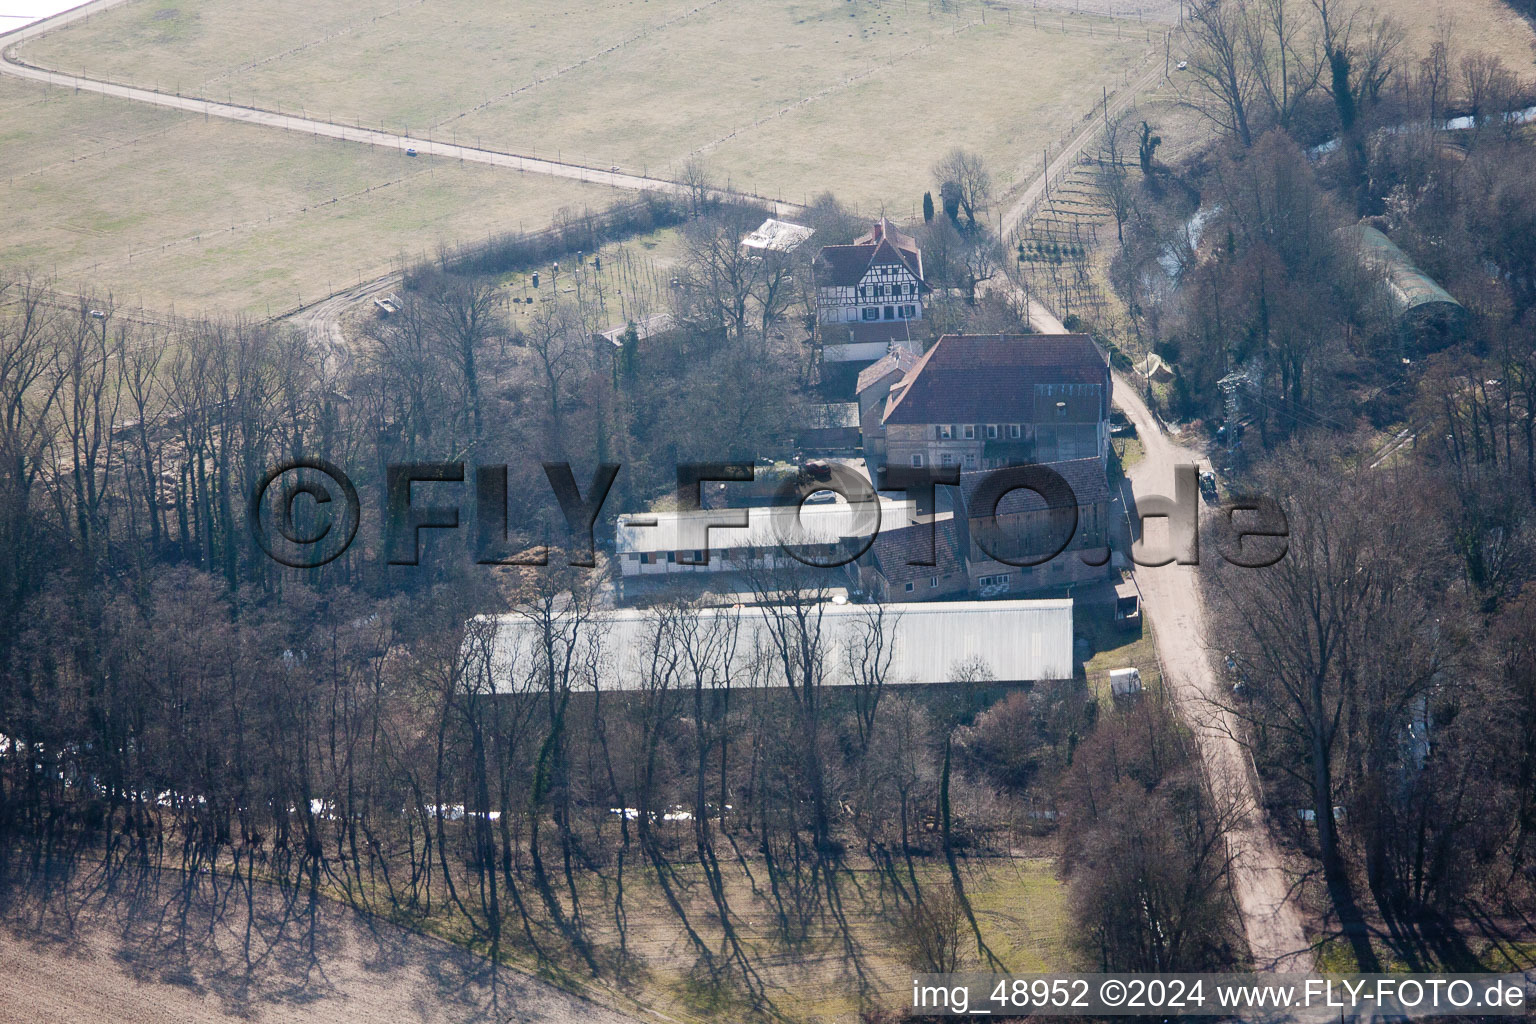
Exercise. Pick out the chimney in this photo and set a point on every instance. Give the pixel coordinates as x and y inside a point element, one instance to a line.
<point>879,231</point>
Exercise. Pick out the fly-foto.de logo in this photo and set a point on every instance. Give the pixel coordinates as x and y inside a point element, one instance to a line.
<point>305,513</point>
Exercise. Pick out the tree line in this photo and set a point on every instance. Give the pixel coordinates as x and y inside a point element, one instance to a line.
<point>1379,671</point>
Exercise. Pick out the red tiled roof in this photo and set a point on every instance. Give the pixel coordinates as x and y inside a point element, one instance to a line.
<point>990,378</point>
<point>899,359</point>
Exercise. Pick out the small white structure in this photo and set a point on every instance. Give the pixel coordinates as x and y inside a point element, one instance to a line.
<point>777,236</point>
<point>1016,641</point>
<point>1123,682</point>
<point>656,543</point>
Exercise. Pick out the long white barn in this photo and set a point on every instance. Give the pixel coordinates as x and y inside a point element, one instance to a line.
<point>1011,641</point>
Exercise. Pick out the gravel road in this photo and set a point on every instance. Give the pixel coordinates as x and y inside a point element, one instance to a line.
<point>1172,600</point>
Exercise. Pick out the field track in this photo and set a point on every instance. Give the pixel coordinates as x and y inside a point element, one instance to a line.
<point>9,65</point>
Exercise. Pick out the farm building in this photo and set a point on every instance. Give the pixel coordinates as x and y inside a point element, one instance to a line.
<point>1424,309</point>
<point>868,293</point>
<point>942,642</point>
<point>983,401</point>
<point>657,543</point>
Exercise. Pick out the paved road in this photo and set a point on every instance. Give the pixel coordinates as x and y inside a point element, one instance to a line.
<point>1172,600</point>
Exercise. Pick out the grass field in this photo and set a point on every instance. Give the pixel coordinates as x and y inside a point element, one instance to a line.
<point>119,959</point>
<point>788,97</point>
<point>167,210</point>
<point>1020,906</point>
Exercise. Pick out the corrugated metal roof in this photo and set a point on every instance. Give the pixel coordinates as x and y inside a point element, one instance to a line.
<point>1016,641</point>
<point>1409,286</point>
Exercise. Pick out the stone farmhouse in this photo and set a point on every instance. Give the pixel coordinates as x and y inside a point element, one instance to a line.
<point>983,401</point>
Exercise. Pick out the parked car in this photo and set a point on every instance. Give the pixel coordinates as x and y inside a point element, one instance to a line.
<point>411,151</point>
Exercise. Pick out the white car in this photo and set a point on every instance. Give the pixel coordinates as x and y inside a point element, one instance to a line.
<point>1183,65</point>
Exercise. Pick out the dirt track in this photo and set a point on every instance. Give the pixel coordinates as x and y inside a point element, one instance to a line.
<point>328,129</point>
<point>123,964</point>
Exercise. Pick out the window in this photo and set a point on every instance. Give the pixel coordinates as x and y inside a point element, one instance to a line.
<point>1013,431</point>
<point>1000,580</point>
<point>917,461</point>
<point>991,431</point>
<point>871,313</point>
<point>908,588</point>
<point>698,557</point>
<point>671,557</point>
<point>970,462</point>
<point>946,459</point>
<point>933,582</point>
<point>647,558</point>
<point>970,431</point>
<point>946,431</point>
<point>909,312</point>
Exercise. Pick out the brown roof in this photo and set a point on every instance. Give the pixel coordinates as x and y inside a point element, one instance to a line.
<point>1086,477</point>
<point>990,378</point>
<point>894,550</point>
<point>846,265</point>
<point>899,359</point>
<point>883,229</point>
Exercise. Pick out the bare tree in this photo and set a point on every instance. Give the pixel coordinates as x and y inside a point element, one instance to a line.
<point>1287,62</point>
<point>962,175</point>
<point>466,313</point>
<point>1220,62</point>
<point>1112,187</point>
<point>558,352</point>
